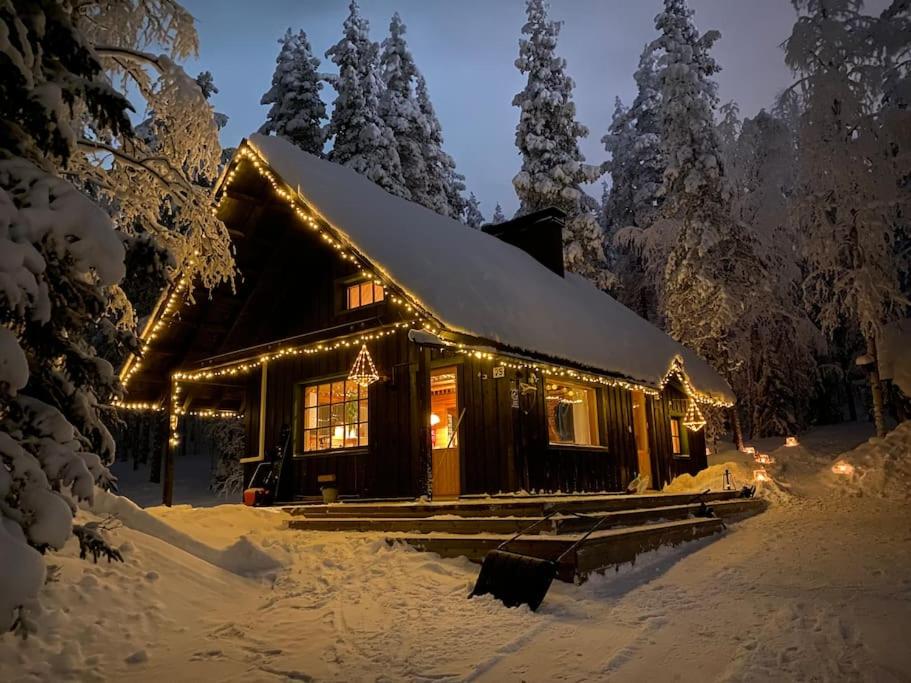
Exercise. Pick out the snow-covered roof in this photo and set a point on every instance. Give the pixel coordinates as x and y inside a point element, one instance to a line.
<point>476,284</point>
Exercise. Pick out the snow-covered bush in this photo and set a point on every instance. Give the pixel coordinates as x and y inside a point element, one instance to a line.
<point>230,442</point>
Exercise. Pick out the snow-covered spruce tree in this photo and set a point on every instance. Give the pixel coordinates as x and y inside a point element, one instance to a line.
<point>851,192</point>
<point>297,111</point>
<point>402,113</point>
<point>547,136</point>
<point>782,372</point>
<point>715,289</point>
<point>473,216</point>
<point>637,167</point>
<point>361,139</point>
<point>61,262</point>
<point>444,184</point>
<point>498,215</point>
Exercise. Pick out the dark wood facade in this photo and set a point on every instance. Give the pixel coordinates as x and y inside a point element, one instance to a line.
<point>290,291</point>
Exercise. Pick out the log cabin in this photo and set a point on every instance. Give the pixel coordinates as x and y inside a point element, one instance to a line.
<point>408,355</point>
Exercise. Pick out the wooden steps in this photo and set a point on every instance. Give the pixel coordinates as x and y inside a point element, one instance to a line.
<point>600,551</point>
<point>632,524</point>
<point>558,524</point>
<point>506,506</point>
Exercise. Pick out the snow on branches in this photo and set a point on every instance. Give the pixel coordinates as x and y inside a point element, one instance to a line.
<point>362,140</point>
<point>297,111</point>
<point>547,137</point>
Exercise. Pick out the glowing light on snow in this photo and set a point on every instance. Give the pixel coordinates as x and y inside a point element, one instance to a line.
<point>791,441</point>
<point>751,450</point>
<point>842,467</point>
<point>761,475</point>
<point>763,459</point>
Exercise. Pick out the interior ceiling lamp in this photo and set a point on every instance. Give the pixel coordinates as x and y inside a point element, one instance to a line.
<point>363,371</point>
<point>693,419</point>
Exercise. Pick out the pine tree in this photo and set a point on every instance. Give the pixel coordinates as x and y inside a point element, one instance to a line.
<point>547,136</point>
<point>445,185</point>
<point>850,198</point>
<point>297,111</point>
<point>715,288</point>
<point>361,139</point>
<point>782,370</point>
<point>402,113</point>
<point>473,216</point>
<point>498,215</point>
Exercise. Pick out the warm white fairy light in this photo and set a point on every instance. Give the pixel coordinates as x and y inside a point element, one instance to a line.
<point>363,372</point>
<point>693,420</point>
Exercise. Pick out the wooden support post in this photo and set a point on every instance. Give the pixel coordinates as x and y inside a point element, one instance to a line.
<point>422,429</point>
<point>173,429</point>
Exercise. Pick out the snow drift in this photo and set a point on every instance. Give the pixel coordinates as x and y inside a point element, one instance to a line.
<point>881,467</point>
<point>243,557</point>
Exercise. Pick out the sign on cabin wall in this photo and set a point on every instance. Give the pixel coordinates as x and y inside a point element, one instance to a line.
<point>514,393</point>
<point>499,371</point>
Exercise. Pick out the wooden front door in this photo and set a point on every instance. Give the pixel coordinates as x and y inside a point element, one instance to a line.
<point>640,428</point>
<point>444,436</point>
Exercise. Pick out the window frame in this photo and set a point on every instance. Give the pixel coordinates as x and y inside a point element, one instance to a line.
<point>361,401</point>
<point>677,442</point>
<point>596,429</point>
<point>358,284</point>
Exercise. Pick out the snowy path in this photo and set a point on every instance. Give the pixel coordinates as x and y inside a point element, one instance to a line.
<point>817,588</point>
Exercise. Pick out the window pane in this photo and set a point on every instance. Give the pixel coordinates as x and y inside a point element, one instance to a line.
<point>310,443</point>
<point>363,433</point>
<point>322,418</point>
<point>338,414</point>
<point>310,397</point>
<point>350,412</point>
<point>323,393</point>
<point>362,392</point>
<point>310,418</point>
<point>350,391</point>
<point>338,392</point>
<point>366,293</point>
<point>338,436</point>
<point>363,411</point>
<point>354,296</point>
<point>323,438</point>
<point>571,413</point>
<point>378,293</point>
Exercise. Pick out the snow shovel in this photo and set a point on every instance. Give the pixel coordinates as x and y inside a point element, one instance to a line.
<point>514,578</point>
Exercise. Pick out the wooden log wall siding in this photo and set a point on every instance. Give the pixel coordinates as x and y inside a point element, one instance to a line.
<point>665,464</point>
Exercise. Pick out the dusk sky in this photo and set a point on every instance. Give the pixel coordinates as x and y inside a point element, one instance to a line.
<point>466,50</point>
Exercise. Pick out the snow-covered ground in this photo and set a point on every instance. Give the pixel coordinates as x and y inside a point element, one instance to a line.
<point>817,588</point>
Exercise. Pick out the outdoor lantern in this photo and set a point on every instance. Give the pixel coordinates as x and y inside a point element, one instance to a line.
<point>761,475</point>
<point>790,441</point>
<point>693,419</point>
<point>363,371</point>
<point>749,450</point>
<point>842,467</point>
<point>763,459</point>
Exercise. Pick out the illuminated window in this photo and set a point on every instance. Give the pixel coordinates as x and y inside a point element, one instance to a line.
<point>571,414</point>
<point>335,416</point>
<point>676,443</point>
<point>363,294</point>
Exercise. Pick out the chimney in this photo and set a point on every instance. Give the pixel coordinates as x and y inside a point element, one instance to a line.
<point>538,234</point>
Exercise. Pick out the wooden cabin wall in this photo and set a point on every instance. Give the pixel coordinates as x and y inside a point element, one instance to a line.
<point>666,465</point>
<point>507,449</point>
<point>386,468</point>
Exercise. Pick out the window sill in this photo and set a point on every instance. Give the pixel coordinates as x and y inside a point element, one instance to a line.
<point>333,453</point>
<point>577,447</point>
<point>681,456</point>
